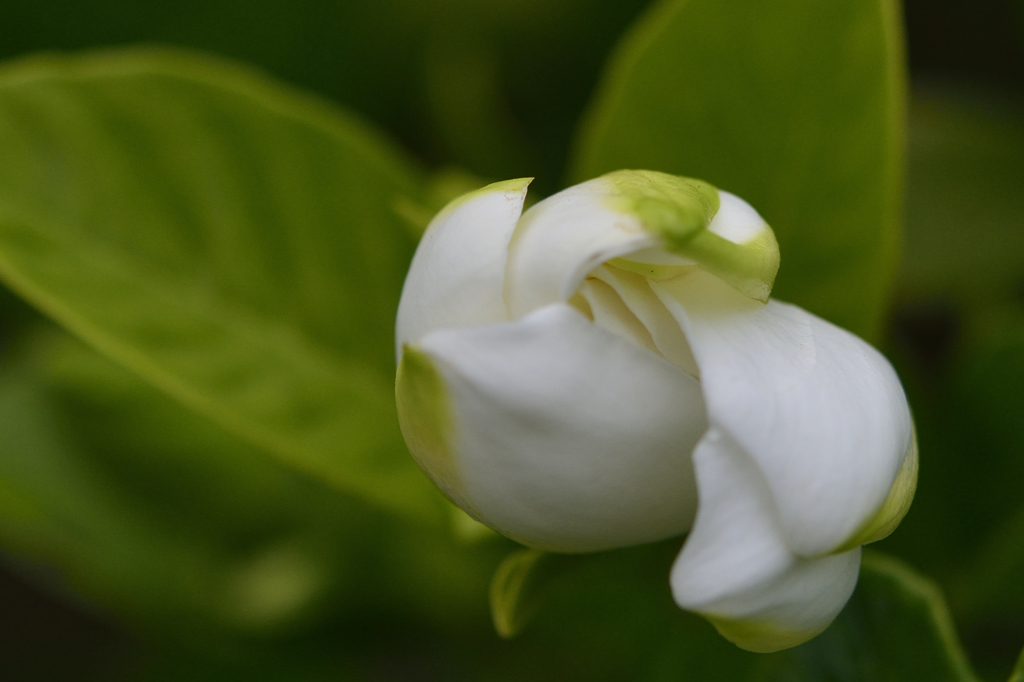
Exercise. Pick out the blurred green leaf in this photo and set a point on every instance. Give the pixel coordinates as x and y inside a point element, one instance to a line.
<point>965,209</point>
<point>611,617</point>
<point>542,58</point>
<point>990,585</point>
<point>231,241</point>
<point>140,505</point>
<point>1018,672</point>
<point>796,106</point>
<point>148,509</point>
<point>512,596</point>
<point>986,384</point>
<point>897,627</point>
<point>967,522</point>
<point>473,121</point>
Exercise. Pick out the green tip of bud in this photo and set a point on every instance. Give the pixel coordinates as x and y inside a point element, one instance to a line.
<point>760,636</point>
<point>681,210</point>
<point>516,185</point>
<point>676,208</point>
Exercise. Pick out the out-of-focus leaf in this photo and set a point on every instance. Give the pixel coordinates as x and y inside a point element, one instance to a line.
<point>505,81</point>
<point>144,507</point>
<point>896,628</point>
<point>990,586</point>
<point>965,208</point>
<point>794,105</point>
<point>154,512</point>
<point>611,617</point>
<point>231,241</point>
<point>1018,672</point>
<point>987,388</point>
<point>371,55</point>
<point>472,118</point>
<point>512,598</point>
<point>967,523</point>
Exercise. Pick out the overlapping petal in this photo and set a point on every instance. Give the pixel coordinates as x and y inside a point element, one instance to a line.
<point>567,437</point>
<point>820,411</point>
<point>456,277</point>
<point>736,567</point>
<point>564,237</point>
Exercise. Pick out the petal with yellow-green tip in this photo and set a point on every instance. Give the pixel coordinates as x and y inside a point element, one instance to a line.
<point>820,411</point>
<point>565,436</point>
<point>736,568</point>
<point>456,277</point>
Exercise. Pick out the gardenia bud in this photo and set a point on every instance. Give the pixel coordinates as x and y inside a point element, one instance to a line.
<point>607,369</point>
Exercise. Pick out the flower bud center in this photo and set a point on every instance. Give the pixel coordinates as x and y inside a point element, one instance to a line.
<point>620,300</point>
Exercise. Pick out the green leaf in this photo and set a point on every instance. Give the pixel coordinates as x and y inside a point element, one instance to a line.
<point>988,403</point>
<point>965,210</point>
<point>229,240</point>
<point>148,509</point>
<point>794,105</point>
<point>510,608</point>
<point>1018,671</point>
<point>521,584</point>
<point>153,512</point>
<point>612,617</point>
<point>897,627</point>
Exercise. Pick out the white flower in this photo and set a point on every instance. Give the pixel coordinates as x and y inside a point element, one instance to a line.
<point>607,369</point>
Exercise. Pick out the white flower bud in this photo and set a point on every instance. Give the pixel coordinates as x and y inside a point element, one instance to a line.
<point>607,369</point>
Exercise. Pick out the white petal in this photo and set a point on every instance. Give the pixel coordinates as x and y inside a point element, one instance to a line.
<point>664,330</point>
<point>736,568</point>
<point>608,311</point>
<point>820,411</point>
<point>564,237</point>
<point>456,276</point>
<point>565,436</point>
<point>737,220</point>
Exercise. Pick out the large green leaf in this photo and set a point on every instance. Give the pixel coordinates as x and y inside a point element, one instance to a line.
<point>231,241</point>
<point>794,105</point>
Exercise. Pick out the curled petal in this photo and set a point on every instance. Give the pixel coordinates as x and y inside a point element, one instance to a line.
<point>564,436</point>
<point>564,237</point>
<point>737,246</point>
<point>736,568</point>
<point>663,329</point>
<point>819,411</point>
<point>456,276</point>
<point>650,222</point>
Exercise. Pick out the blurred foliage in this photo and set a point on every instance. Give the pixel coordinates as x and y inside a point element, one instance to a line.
<point>1018,673</point>
<point>189,532</point>
<point>896,629</point>
<point>235,249</point>
<point>469,82</point>
<point>958,343</point>
<point>965,231</point>
<point>261,291</point>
